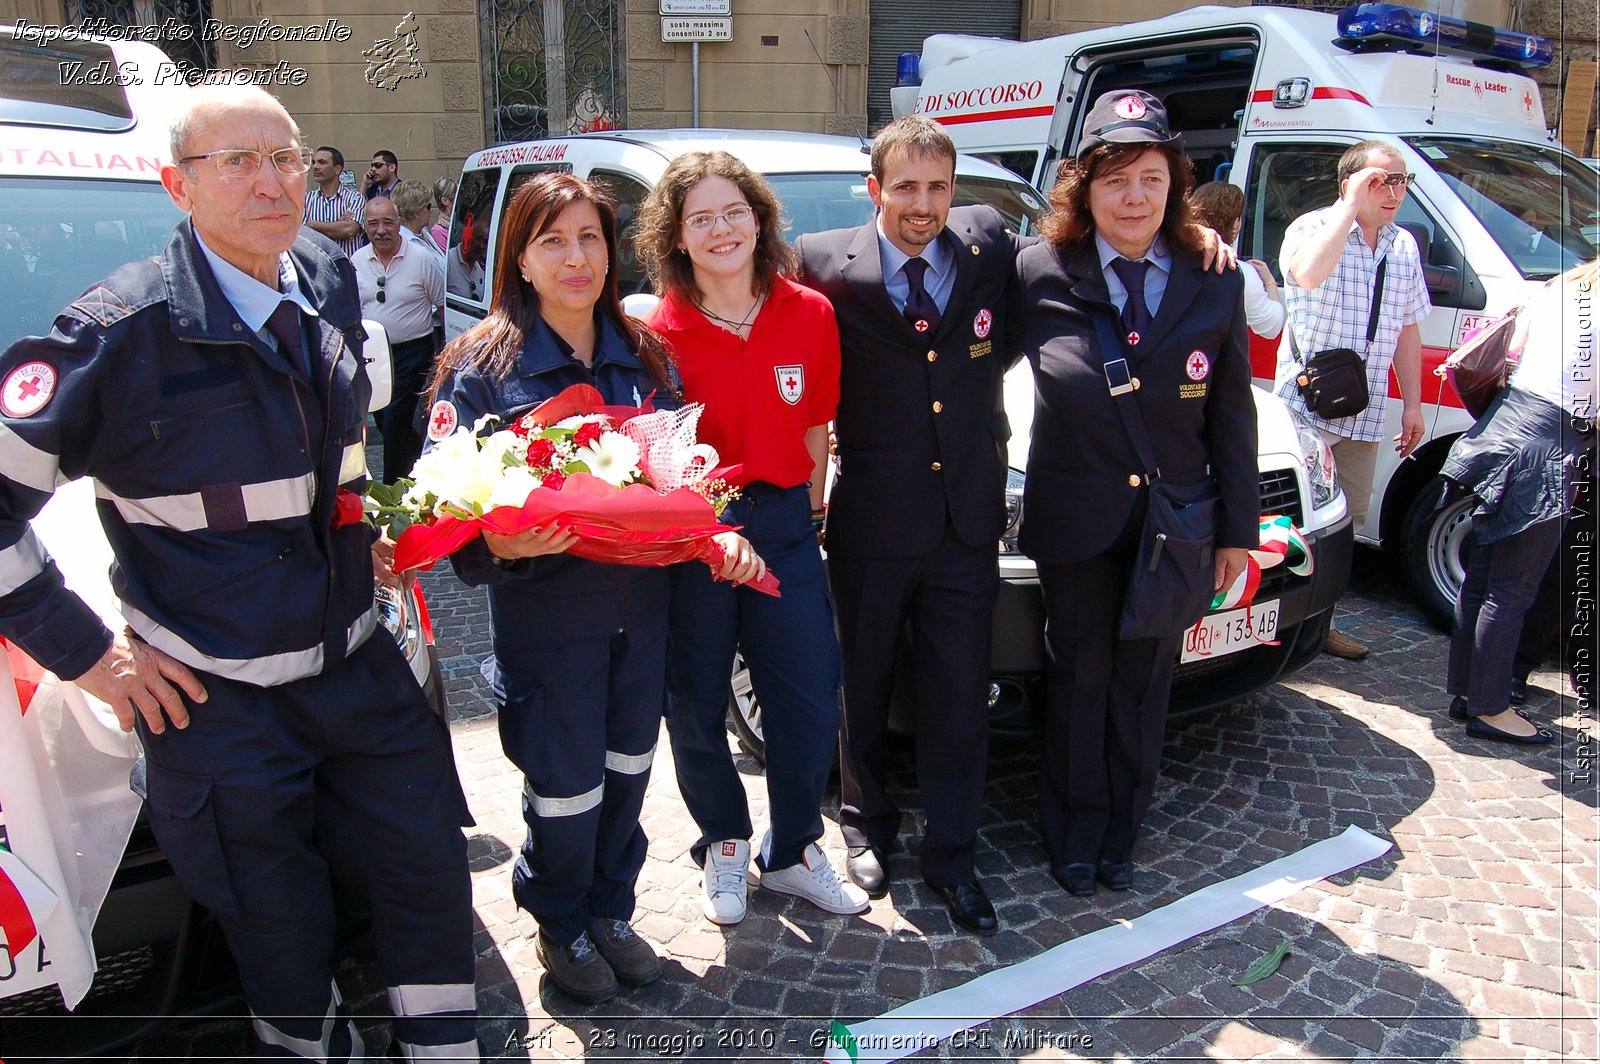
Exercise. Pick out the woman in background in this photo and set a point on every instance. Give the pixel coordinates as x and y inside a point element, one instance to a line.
<point>1221,206</point>
<point>1522,460</point>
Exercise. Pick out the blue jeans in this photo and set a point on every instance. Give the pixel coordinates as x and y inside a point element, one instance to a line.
<point>793,656</point>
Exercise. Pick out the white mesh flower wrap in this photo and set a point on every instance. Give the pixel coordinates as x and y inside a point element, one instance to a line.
<point>669,455</point>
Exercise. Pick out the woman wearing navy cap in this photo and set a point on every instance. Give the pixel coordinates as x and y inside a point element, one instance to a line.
<point>579,646</point>
<point>1121,261</point>
<point>762,354</point>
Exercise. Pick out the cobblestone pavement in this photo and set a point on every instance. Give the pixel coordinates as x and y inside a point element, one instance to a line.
<point>1473,939</point>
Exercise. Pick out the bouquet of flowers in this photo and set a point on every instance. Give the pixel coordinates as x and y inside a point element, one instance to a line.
<point>632,483</point>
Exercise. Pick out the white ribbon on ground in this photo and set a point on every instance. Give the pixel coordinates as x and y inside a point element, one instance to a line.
<point>928,1021</point>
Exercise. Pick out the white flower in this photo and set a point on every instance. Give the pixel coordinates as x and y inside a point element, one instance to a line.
<point>456,472</point>
<point>506,447</point>
<point>577,421</point>
<point>613,458</point>
<point>516,484</point>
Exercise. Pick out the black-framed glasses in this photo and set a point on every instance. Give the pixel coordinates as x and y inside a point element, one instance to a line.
<point>734,216</point>
<point>1398,180</point>
<point>382,298</point>
<point>243,162</point>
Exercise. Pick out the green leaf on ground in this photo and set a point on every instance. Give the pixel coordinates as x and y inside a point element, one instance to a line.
<point>1264,965</point>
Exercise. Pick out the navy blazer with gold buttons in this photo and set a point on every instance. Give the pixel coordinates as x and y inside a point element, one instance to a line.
<point>921,426</point>
<point>1193,370</point>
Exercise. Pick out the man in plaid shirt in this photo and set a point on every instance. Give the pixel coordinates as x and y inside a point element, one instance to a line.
<point>1330,261</point>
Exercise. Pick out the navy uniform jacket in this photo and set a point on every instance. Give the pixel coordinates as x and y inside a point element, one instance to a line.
<point>1194,375</point>
<point>215,465</point>
<point>922,426</point>
<point>555,598</point>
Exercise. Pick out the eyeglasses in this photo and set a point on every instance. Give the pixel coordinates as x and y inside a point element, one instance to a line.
<point>242,162</point>
<point>1398,180</point>
<point>382,298</point>
<point>699,223</point>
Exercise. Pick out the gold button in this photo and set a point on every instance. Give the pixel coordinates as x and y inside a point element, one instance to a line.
<point>936,467</point>
<point>933,356</point>
<point>974,249</point>
<point>1136,384</point>
<point>938,407</point>
<point>1133,480</point>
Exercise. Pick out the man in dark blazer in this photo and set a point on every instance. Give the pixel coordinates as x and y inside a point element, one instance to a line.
<point>918,504</point>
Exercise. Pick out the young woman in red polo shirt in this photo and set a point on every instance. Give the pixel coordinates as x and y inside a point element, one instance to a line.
<point>762,354</point>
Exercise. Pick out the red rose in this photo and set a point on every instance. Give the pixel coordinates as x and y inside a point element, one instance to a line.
<point>554,479</point>
<point>346,508</point>
<point>540,452</point>
<point>586,434</point>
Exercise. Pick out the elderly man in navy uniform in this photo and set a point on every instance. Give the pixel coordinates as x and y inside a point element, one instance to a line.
<point>216,396</point>
<point>918,504</point>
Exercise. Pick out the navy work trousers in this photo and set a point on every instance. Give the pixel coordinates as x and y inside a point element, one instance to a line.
<point>789,645</point>
<point>580,719</point>
<point>243,801</point>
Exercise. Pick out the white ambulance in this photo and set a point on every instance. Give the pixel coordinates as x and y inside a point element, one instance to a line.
<point>1268,98</point>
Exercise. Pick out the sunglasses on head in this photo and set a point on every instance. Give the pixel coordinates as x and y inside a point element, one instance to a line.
<point>382,298</point>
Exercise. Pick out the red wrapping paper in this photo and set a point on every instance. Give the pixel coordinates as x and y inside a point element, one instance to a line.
<point>632,525</point>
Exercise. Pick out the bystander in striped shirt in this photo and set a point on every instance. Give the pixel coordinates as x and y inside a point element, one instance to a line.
<point>343,204</point>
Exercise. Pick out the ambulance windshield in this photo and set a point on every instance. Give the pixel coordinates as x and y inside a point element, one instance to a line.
<point>58,237</point>
<point>1540,205</point>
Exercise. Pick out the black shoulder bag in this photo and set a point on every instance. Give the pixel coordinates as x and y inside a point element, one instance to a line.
<point>1171,583</point>
<point>1334,382</point>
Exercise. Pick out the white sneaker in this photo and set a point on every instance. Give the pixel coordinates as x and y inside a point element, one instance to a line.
<point>815,880</point>
<point>723,897</point>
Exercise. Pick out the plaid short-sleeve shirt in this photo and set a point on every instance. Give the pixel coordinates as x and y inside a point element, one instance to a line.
<point>1336,312</point>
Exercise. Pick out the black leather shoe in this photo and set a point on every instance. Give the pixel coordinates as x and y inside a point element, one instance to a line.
<point>1519,692</point>
<point>969,906</point>
<point>1115,875</point>
<point>1479,730</point>
<point>868,869</point>
<point>1458,708</point>
<point>1076,878</point>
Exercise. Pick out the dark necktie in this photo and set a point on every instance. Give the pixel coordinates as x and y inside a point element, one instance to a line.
<point>920,310</point>
<point>1135,312</point>
<point>284,325</point>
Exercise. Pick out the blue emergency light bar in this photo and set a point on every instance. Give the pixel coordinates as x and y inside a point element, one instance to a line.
<point>1365,27</point>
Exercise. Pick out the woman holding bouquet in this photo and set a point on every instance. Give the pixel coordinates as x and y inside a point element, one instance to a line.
<point>762,354</point>
<point>1137,350</point>
<point>580,646</point>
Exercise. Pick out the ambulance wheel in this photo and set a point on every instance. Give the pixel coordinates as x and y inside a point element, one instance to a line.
<point>1436,553</point>
<point>744,710</point>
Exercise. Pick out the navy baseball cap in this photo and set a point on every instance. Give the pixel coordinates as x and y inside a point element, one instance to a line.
<point>1125,116</point>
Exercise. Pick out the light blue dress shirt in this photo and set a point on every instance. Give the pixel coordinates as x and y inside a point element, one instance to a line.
<point>940,280</point>
<point>1155,278</point>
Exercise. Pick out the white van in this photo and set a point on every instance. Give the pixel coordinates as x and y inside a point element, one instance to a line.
<point>821,182</point>
<point>80,195</point>
<point>1268,99</point>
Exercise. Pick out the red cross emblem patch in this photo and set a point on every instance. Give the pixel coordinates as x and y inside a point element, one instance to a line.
<point>982,323</point>
<point>1129,107</point>
<point>27,389</point>
<point>791,382</point>
<point>442,420</point>
<point>1198,365</point>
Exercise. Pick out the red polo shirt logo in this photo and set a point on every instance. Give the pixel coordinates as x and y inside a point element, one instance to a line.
<point>791,382</point>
